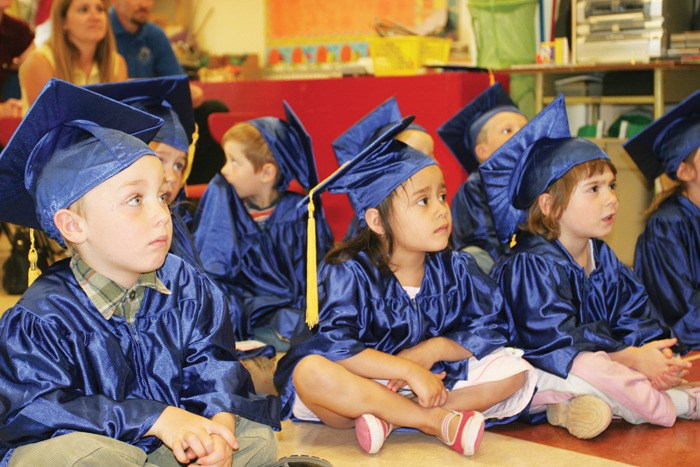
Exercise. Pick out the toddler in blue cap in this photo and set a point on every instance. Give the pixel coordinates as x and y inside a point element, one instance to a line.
<point>121,351</point>
<point>581,316</point>
<point>667,257</point>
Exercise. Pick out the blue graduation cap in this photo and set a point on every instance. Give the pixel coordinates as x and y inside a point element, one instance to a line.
<point>368,128</point>
<point>168,98</point>
<point>528,163</point>
<point>664,144</point>
<point>290,145</point>
<point>368,178</point>
<point>70,141</point>
<point>460,132</point>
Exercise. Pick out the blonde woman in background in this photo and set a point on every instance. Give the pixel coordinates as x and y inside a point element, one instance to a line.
<point>81,50</point>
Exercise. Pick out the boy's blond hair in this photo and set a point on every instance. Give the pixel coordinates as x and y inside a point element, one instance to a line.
<point>255,149</point>
<point>561,190</point>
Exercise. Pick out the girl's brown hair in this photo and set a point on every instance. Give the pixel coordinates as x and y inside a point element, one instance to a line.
<point>378,248</point>
<point>678,188</point>
<point>561,191</point>
<point>255,148</point>
<point>66,54</point>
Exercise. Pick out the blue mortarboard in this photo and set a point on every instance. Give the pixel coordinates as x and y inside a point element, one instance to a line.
<point>460,132</point>
<point>368,128</point>
<point>664,144</point>
<point>70,141</point>
<point>290,145</point>
<point>377,170</point>
<point>168,98</point>
<point>528,163</point>
<point>368,178</point>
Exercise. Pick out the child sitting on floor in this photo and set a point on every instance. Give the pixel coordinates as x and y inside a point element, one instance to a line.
<point>582,317</point>
<point>473,134</point>
<point>410,334</point>
<point>667,257</point>
<point>122,351</point>
<point>249,232</point>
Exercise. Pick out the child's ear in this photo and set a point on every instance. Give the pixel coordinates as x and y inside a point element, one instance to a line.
<point>481,152</point>
<point>685,172</point>
<point>545,203</point>
<point>374,221</point>
<point>71,226</point>
<point>268,172</point>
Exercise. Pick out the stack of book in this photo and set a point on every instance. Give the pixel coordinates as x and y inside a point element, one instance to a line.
<point>685,46</point>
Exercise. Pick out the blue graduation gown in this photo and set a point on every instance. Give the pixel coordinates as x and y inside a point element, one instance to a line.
<point>362,308</point>
<point>555,311</point>
<point>667,259</point>
<point>265,267</point>
<point>64,368</point>
<point>471,218</point>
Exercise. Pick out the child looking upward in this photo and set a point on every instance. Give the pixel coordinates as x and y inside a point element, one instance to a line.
<point>410,333</point>
<point>473,134</point>
<point>581,316</point>
<point>667,257</point>
<point>367,129</point>
<point>249,232</point>
<point>122,351</point>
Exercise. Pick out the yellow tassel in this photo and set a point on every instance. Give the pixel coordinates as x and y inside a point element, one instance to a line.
<point>311,274</point>
<point>34,271</point>
<point>492,77</point>
<point>190,153</point>
<point>513,241</point>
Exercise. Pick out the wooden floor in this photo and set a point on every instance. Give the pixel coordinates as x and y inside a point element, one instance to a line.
<point>516,444</point>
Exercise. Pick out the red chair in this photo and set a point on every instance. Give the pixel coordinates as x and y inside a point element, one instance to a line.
<point>8,125</point>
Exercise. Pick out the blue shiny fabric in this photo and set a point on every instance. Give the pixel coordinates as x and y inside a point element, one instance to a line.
<point>472,224</point>
<point>362,308</point>
<point>265,267</point>
<point>664,144</point>
<point>667,259</point>
<point>556,311</point>
<point>65,368</point>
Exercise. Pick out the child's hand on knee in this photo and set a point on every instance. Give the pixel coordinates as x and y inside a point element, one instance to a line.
<point>221,456</point>
<point>190,436</point>
<point>655,359</point>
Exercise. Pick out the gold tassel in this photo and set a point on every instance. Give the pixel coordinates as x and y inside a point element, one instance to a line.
<point>34,271</point>
<point>513,241</point>
<point>190,153</point>
<point>311,274</point>
<point>492,77</point>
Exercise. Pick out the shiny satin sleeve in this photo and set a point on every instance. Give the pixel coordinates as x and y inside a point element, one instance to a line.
<point>545,311</point>
<point>471,219</point>
<point>667,259</point>
<point>42,384</point>
<point>213,379</point>
<point>215,234</point>
<point>478,306</point>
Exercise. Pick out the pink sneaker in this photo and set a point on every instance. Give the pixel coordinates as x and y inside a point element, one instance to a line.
<point>371,432</point>
<point>470,430</point>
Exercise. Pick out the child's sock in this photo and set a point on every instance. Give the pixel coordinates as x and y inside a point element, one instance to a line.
<point>680,400</point>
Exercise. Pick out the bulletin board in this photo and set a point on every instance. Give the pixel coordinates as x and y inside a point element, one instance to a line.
<point>317,32</point>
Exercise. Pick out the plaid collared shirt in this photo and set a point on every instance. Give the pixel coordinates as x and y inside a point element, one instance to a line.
<point>111,298</point>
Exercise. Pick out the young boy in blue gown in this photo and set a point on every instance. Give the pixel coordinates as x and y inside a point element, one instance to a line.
<point>368,128</point>
<point>249,231</point>
<point>410,333</point>
<point>667,258</point>
<point>472,135</point>
<point>581,316</point>
<point>121,353</point>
